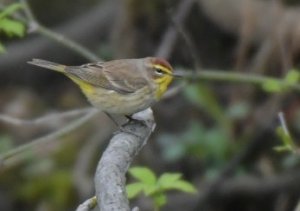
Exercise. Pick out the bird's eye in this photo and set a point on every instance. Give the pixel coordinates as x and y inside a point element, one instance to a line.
<point>159,71</point>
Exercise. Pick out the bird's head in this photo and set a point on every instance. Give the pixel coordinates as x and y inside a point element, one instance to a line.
<point>161,72</point>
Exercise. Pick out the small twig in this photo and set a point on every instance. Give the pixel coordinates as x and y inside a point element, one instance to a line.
<point>14,153</point>
<point>288,143</point>
<point>89,204</point>
<point>94,24</point>
<point>74,46</point>
<point>191,46</point>
<point>169,39</point>
<point>27,11</point>
<point>35,26</point>
<point>234,77</point>
<point>115,161</point>
<point>283,123</point>
<point>260,187</point>
<point>297,208</point>
<point>48,119</point>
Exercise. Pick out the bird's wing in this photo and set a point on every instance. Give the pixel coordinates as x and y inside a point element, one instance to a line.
<point>118,75</point>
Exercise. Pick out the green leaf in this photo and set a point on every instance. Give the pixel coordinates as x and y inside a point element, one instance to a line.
<point>160,199</point>
<point>143,174</point>
<point>172,181</point>
<point>2,48</point>
<point>183,186</point>
<point>292,77</point>
<point>168,179</point>
<point>150,190</point>
<point>10,9</point>
<point>287,141</point>
<point>285,137</point>
<point>12,27</point>
<point>134,189</point>
<point>272,85</point>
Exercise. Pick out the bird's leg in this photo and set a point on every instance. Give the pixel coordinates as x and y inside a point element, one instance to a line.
<point>131,119</point>
<point>121,127</point>
<point>113,119</point>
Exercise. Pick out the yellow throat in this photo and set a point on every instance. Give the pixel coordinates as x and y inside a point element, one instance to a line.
<point>163,82</point>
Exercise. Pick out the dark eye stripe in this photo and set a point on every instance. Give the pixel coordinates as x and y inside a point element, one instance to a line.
<point>162,69</point>
<point>159,71</point>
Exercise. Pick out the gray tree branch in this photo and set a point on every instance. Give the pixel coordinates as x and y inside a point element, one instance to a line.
<point>116,159</point>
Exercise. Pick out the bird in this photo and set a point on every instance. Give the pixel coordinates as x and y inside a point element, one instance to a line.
<point>122,86</point>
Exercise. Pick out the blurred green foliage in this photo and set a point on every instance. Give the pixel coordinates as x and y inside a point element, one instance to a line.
<point>6,143</point>
<point>154,187</point>
<point>291,78</point>
<point>212,144</point>
<point>287,141</point>
<point>41,180</point>
<point>8,25</point>
<point>46,180</point>
<point>54,188</point>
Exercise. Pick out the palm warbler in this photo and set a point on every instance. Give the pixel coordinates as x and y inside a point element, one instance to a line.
<point>123,86</point>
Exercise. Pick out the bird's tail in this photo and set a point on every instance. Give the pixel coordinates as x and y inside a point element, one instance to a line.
<point>48,65</point>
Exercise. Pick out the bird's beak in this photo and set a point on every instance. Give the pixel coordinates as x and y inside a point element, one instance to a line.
<point>177,75</point>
